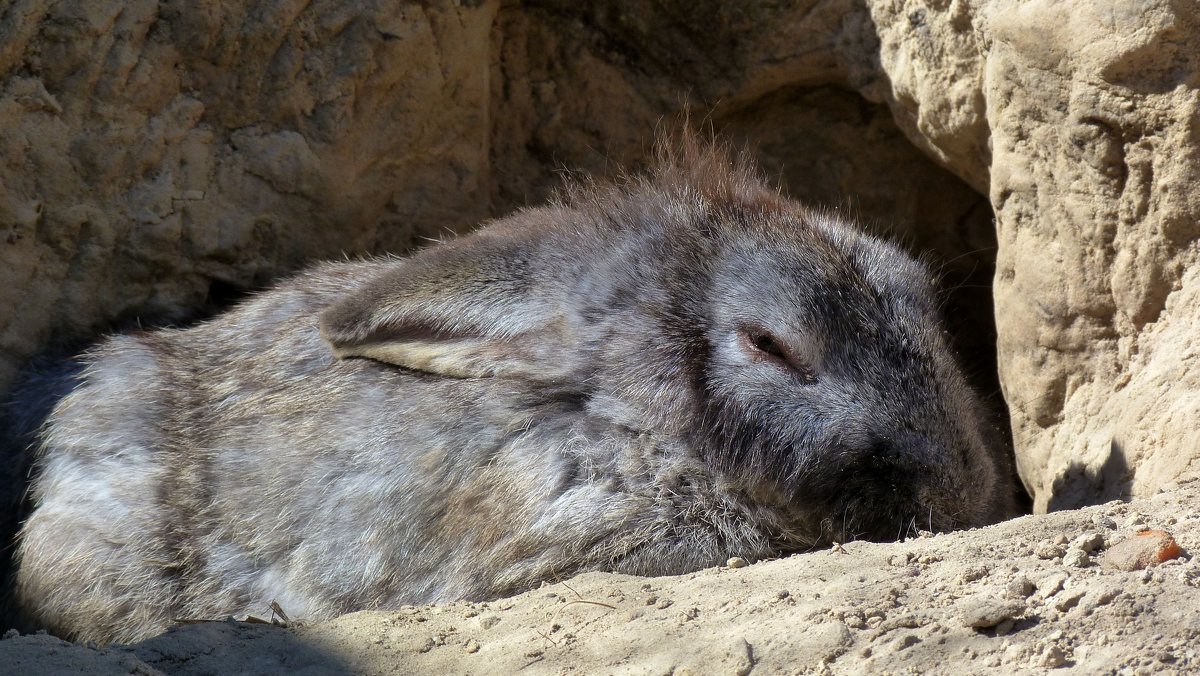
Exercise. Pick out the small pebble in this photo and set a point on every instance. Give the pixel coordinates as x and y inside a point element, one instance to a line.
<point>904,641</point>
<point>1068,599</point>
<point>841,613</point>
<point>1076,558</point>
<point>973,573</point>
<point>984,612</point>
<point>736,562</point>
<point>1104,521</point>
<point>1048,550</point>
<point>1019,587</point>
<point>488,622</point>
<point>1134,520</point>
<point>1053,657</point>
<point>1050,585</point>
<point>1089,542</point>
<point>1148,548</point>
<point>1012,654</point>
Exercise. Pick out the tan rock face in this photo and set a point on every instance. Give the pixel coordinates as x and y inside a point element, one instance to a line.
<point>1093,110</point>
<point>156,158</point>
<point>155,155</point>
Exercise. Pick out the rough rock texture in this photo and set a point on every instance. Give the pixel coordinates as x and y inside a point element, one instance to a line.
<point>999,600</point>
<point>1095,117</point>
<point>158,158</point>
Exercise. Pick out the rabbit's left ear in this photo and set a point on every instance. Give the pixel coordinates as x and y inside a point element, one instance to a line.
<point>485,305</point>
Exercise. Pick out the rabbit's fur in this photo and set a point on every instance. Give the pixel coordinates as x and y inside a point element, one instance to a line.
<point>646,377</point>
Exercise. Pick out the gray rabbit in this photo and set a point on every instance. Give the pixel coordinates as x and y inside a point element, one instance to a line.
<point>647,376</point>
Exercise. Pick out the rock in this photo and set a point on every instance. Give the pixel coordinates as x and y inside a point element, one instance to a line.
<point>985,612</point>
<point>1052,657</point>
<point>904,641</point>
<point>1148,548</point>
<point>1076,558</point>
<point>973,573</point>
<point>823,642</point>
<point>1050,585</point>
<point>1068,599</point>
<point>736,562</point>
<point>1088,542</point>
<point>1019,587</point>
<point>1065,383</point>
<point>741,655</point>
<point>1135,521</point>
<point>1048,550</point>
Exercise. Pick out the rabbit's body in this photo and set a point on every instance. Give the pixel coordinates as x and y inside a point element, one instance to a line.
<point>648,379</point>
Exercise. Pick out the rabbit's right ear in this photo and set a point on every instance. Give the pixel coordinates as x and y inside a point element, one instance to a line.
<point>484,305</point>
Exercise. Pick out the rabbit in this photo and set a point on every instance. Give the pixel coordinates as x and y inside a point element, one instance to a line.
<point>647,375</point>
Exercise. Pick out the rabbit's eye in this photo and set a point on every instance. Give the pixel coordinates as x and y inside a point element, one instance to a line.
<point>762,346</point>
<point>767,345</point>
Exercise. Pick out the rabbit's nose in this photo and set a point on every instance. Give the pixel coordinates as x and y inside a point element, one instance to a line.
<point>878,478</point>
<point>880,488</point>
<point>903,452</point>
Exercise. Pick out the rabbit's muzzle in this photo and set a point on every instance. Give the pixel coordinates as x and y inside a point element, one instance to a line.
<point>885,492</point>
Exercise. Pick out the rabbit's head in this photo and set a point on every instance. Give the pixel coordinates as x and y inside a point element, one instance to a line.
<point>797,358</point>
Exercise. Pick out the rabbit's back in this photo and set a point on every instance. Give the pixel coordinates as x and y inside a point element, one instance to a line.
<point>100,476</point>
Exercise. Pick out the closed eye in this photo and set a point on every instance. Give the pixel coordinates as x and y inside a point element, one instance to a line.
<point>760,345</point>
<point>767,345</point>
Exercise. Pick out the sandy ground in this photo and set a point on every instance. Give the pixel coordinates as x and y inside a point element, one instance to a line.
<point>1023,596</point>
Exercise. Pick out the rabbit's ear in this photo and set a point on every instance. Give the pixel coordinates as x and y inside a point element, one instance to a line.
<point>481,306</point>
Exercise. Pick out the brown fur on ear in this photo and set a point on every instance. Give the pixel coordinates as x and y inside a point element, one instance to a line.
<point>691,161</point>
<point>687,167</point>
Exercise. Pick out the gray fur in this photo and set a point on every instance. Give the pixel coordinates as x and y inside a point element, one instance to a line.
<point>568,389</point>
